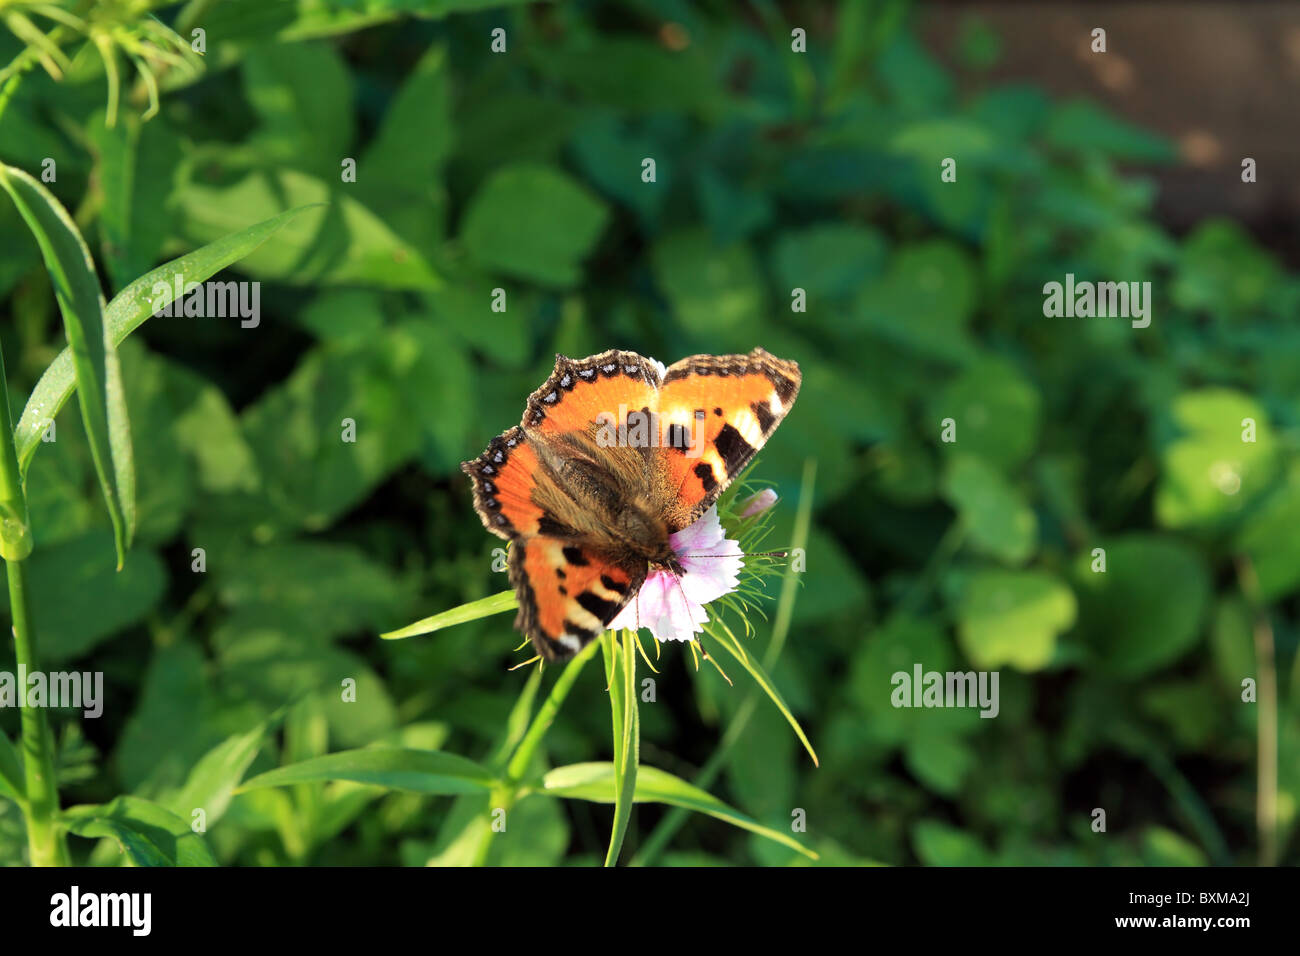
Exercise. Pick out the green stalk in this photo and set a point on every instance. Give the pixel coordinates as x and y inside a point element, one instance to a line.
<point>504,796</point>
<point>1266,809</point>
<point>45,840</point>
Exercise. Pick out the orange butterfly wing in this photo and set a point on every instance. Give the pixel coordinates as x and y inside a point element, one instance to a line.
<point>568,592</point>
<point>715,413</point>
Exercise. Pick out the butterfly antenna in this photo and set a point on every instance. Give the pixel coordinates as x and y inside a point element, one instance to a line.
<point>743,554</point>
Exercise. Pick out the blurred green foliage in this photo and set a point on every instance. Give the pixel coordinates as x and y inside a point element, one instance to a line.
<point>522,171</point>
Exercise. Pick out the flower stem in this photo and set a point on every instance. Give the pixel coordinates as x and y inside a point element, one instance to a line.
<point>45,841</point>
<point>44,838</point>
<point>523,755</point>
<point>504,796</point>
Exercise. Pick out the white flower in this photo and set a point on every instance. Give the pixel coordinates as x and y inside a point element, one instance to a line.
<point>672,605</point>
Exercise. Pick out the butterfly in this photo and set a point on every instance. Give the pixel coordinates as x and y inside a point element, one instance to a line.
<point>613,455</point>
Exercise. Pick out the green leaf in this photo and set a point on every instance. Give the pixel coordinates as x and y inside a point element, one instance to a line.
<point>81,600</point>
<point>127,312</point>
<point>596,782</point>
<point>709,286</point>
<point>99,380</point>
<point>1013,617</point>
<point>1223,271</point>
<point>336,240</point>
<point>1145,610</point>
<point>165,734</point>
<point>421,771</point>
<point>634,75</point>
<point>534,222</point>
<point>1211,471</point>
<point>996,411</point>
<point>136,163</point>
<point>748,662</point>
<point>829,261</point>
<point>1080,126</point>
<point>620,676</point>
<point>302,95</point>
<point>939,844</point>
<point>484,607</point>
<point>283,583</point>
<point>149,834</point>
<point>214,778</point>
<point>997,519</point>
<point>924,301</point>
<point>13,783</point>
<point>400,174</point>
<point>1268,537</point>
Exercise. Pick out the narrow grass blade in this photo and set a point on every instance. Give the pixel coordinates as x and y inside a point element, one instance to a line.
<point>596,782</point>
<point>126,313</point>
<point>620,670</point>
<point>99,386</point>
<point>422,771</point>
<point>760,677</point>
<point>496,604</point>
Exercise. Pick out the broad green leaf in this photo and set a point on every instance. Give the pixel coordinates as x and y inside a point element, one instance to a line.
<point>534,222</point>
<point>709,286</point>
<point>214,778</point>
<point>596,782</point>
<point>94,361</point>
<point>1013,617</point>
<point>127,312</point>
<point>165,734</point>
<point>335,240</point>
<point>421,771</point>
<point>997,519</point>
<point>400,175</point>
<point>149,834</point>
<point>271,664</point>
<point>332,431</point>
<point>1268,536</point>
<point>941,844</point>
<point>1224,455</point>
<point>81,601</point>
<point>484,607</point>
<point>996,413</point>
<point>1145,610</point>
<point>635,75</point>
<point>930,141</point>
<point>897,647</point>
<point>1223,271</point>
<point>302,95</point>
<point>13,783</point>
<point>923,302</point>
<point>1163,847</point>
<point>283,583</point>
<point>829,261</point>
